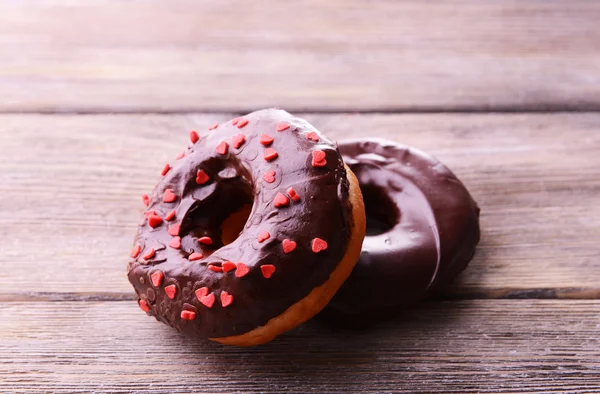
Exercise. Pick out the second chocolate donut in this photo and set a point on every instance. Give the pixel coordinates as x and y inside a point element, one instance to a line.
<point>422,227</point>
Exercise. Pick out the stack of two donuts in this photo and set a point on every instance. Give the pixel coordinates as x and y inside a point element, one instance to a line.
<point>263,221</point>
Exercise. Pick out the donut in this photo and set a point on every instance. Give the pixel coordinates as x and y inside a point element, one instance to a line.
<point>249,232</point>
<point>422,227</point>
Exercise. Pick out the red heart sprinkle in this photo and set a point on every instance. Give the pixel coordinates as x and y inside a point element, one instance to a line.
<point>205,240</point>
<point>201,177</point>
<point>215,268</point>
<point>269,176</point>
<point>263,236</point>
<point>226,299</point>
<point>154,220</point>
<point>169,196</point>
<point>270,154</point>
<point>213,126</point>
<point>144,305</point>
<point>288,246</point>
<point>149,254</point>
<point>241,123</point>
<point>238,140</point>
<point>135,252</point>
<point>166,169</point>
<point>170,216</point>
<point>157,278</point>
<point>188,315</point>
<point>208,300</point>
<point>242,270</point>
<point>174,230</point>
<point>180,155</point>
<point>149,213</point>
<point>195,256</point>
<point>175,243</point>
<point>235,121</point>
<point>194,137</point>
<point>313,136</point>
<point>267,270</point>
<point>171,290</point>
<point>281,201</point>
<point>201,292</point>
<point>266,139</point>
<point>228,266</point>
<point>293,195</point>
<point>318,158</point>
<point>282,126</point>
<point>222,148</point>
<point>318,245</point>
<point>146,199</point>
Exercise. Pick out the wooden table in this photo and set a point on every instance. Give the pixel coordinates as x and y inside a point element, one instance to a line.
<point>97,95</point>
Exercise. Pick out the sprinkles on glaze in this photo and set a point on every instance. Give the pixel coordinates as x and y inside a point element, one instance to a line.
<point>175,243</point>
<point>149,254</point>
<point>174,230</point>
<point>188,315</point>
<point>201,177</point>
<point>228,266</point>
<point>270,154</point>
<point>169,196</point>
<point>135,252</point>
<point>238,140</point>
<point>266,139</point>
<point>157,278</point>
<point>269,176</point>
<point>268,270</point>
<point>263,236</point>
<point>299,204</point>
<point>222,148</point>
<point>195,256</point>
<point>207,300</point>
<point>171,291</point>
<point>281,200</point>
<point>170,216</point>
<point>144,305</point>
<point>205,240</point>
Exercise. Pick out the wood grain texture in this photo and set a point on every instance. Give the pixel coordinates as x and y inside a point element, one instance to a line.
<point>184,55</point>
<point>71,188</point>
<point>463,347</point>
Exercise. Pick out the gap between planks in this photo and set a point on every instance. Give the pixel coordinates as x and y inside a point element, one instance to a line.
<point>572,293</point>
<point>235,111</point>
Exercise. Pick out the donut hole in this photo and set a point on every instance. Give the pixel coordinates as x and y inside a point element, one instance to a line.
<point>220,216</point>
<point>382,214</point>
<point>233,225</point>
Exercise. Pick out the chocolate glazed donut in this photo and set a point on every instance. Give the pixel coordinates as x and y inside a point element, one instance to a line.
<point>299,243</point>
<point>422,227</point>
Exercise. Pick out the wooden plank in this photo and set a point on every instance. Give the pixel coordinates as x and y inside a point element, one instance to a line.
<point>71,188</point>
<point>173,55</point>
<point>463,347</point>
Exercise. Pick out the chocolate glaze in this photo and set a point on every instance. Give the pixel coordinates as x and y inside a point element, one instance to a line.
<point>422,227</point>
<point>236,178</point>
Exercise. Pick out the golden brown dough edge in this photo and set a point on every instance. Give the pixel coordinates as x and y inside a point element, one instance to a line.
<point>320,296</point>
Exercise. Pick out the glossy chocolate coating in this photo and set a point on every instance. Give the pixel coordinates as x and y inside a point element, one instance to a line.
<point>422,227</point>
<point>236,178</point>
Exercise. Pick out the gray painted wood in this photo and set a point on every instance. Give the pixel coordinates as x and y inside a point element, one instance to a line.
<point>173,55</point>
<point>488,346</point>
<point>71,188</point>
